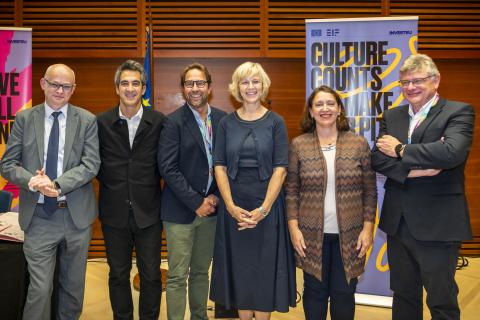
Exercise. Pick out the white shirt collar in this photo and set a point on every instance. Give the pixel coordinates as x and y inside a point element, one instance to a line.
<point>49,110</point>
<point>138,115</point>
<point>426,105</point>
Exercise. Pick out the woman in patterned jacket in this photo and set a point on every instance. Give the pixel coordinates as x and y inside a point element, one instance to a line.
<point>331,205</point>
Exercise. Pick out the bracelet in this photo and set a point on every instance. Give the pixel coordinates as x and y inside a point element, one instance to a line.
<point>263,211</point>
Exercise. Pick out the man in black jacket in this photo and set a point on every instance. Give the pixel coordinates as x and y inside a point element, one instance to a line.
<point>190,195</point>
<point>422,150</point>
<point>129,202</point>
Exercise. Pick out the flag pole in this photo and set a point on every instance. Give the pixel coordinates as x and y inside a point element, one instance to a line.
<point>151,56</point>
<point>148,99</point>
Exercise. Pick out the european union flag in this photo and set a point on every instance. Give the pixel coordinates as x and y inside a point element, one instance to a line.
<point>147,96</point>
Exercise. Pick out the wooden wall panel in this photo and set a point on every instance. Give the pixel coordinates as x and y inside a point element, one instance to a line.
<point>444,26</point>
<point>7,13</point>
<point>459,82</point>
<point>286,21</point>
<point>206,28</point>
<point>96,93</point>
<point>88,28</point>
<point>253,28</point>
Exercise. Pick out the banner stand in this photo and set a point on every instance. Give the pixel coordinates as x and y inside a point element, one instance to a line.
<point>15,87</point>
<point>360,58</point>
<point>373,300</point>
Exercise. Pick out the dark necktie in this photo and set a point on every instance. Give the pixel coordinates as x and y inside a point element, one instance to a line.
<point>50,203</point>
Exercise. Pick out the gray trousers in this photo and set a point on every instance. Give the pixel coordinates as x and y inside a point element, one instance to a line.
<point>42,238</point>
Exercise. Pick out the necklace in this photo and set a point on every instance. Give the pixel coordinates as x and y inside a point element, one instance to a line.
<point>329,141</point>
<point>329,147</point>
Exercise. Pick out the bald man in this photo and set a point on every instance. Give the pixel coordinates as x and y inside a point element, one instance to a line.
<point>52,155</point>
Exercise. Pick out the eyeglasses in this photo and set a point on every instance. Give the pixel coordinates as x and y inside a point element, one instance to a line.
<point>414,82</point>
<point>65,87</point>
<point>254,83</point>
<point>190,83</point>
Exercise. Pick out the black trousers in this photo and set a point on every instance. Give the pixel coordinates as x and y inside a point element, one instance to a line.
<point>119,243</point>
<point>415,264</point>
<point>334,285</point>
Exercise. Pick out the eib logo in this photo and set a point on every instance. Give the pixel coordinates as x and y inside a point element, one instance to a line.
<point>330,32</point>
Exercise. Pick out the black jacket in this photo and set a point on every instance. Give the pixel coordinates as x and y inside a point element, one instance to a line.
<point>434,208</point>
<point>129,177</point>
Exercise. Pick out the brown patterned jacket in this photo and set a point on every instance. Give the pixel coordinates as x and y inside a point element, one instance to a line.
<point>356,197</point>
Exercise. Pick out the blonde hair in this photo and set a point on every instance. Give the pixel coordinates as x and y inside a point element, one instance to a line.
<point>419,62</point>
<point>248,70</point>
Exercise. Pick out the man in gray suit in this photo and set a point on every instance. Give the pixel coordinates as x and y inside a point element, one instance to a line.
<point>52,155</point>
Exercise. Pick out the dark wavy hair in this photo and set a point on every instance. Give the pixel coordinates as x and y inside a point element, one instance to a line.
<point>307,123</point>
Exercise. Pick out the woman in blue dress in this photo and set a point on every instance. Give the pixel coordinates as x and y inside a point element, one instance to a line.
<point>253,264</point>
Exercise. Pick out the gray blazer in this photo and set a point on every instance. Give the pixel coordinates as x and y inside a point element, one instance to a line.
<point>24,155</point>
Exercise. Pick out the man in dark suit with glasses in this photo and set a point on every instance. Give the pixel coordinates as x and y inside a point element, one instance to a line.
<point>422,150</point>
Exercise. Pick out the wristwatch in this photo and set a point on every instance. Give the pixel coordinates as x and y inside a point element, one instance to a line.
<point>398,149</point>
<point>57,187</point>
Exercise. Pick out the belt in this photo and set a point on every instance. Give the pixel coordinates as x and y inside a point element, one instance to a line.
<point>62,204</point>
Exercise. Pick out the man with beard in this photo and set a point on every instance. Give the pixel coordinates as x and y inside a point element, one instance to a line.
<point>129,202</point>
<point>190,195</point>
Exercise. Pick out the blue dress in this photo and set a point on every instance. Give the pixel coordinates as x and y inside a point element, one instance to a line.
<point>253,269</point>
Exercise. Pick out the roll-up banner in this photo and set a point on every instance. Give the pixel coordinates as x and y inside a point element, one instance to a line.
<point>360,59</point>
<point>15,86</point>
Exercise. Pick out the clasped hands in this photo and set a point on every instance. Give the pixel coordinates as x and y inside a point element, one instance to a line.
<point>386,144</point>
<point>246,219</point>
<point>42,183</point>
<point>208,206</point>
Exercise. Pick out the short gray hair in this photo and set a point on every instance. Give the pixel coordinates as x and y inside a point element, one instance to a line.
<point>131,65</point>
<point>419,62</point>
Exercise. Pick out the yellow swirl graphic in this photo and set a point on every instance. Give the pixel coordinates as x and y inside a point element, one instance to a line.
<point>411,44</point>
<point>386,72</point>
<point>378,264</point>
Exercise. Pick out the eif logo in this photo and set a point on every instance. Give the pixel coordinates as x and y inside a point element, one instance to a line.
<point>333,32</point>
<point>316,33</point>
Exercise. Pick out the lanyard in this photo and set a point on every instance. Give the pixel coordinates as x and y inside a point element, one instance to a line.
<point>420,116</point>
<point>207,133</point>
